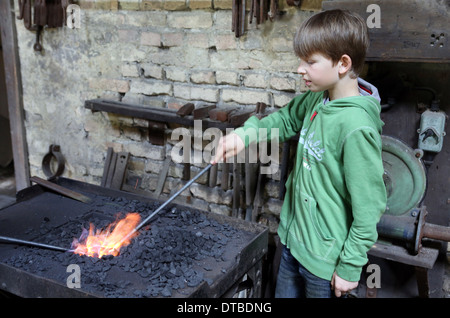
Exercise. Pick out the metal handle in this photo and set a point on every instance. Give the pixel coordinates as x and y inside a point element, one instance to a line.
<point>162,206</point>
<point>17,241</point>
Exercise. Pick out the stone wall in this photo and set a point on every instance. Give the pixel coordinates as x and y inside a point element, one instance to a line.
<point>161,53</point>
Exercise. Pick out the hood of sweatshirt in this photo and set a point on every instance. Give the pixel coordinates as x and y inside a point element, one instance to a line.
<point>369,101</point>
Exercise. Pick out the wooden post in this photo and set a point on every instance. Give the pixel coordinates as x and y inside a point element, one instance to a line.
<point>14,93</point>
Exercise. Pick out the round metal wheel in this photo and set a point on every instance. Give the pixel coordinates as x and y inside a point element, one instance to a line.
<point>404,176</point>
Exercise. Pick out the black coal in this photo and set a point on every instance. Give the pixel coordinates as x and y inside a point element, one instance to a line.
<point>172,255</point>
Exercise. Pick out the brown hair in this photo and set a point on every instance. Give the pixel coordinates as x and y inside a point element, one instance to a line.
<point>334,33</point>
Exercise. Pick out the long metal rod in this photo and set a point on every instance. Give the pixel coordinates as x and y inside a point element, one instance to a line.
<point>17,241</point>
<point>162,206</point>
<point>437,232</point>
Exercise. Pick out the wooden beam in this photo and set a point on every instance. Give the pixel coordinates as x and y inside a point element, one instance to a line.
<point>156,114</point>
<point>409,30</point>
<point>14,93</point>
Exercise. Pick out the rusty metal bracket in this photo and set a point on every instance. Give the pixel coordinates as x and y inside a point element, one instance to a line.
<point>54,152</point>
<point>115,169</point>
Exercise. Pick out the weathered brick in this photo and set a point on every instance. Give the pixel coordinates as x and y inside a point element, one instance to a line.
<point>228,59</point>
<point>172,39</point>
<point>130,70</point>
<point>255,80</point>
<point>141,99</point>
<point>225,77</point>
<point>223,4</point>
<point>214,195</point>
<point>129,5</point>
<point>182,91</point>
<point>147,18</point>
<point>121,86</point>
<point>171,57</point>
<point>133,56</point>
<point>225,42</point>
<point>150,38</point>
<point>152,70</point>
<point>284,62</point>
<point>281,44</point>
<point>205,94</point>
<point>176,74</point>
<point>145,149</point>
<point>273,206</point>
<point>133,133</point>
<point>311,5</point>
<point>199,40</point>
<point>254,42</point>
<point>200,4</point>
<point>190,20</point>
<point>152,5</point>
<point>196,93</point>
<point>269,218</point>
<point>242,96</point>
<point>87,5</point>
<point>194,57</point>
<point>220,209</point>
<point>114,5</point>
<point>151,87</point>
<point>203,77</point>
<point>128,36</point>
<point>282,83</point>
<point>174,5</point>
<point>222,20</point>
<point>103,5</point>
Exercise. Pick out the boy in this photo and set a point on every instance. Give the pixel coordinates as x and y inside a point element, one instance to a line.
<point>335,194</point>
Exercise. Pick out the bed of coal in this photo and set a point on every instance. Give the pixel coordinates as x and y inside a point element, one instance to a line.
<point>178,250</point>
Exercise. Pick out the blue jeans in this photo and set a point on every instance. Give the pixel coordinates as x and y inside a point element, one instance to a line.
<point>295,281</point>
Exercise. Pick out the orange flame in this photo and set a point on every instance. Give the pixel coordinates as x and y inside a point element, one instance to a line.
<point>107,242</point>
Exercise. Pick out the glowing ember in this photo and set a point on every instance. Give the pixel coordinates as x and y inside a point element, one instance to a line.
<point>109,241</point>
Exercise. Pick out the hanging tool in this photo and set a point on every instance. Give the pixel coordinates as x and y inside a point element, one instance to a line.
<point>50,13</point>
<point>238,17</point>
<point>237,174</point>
<point>225,175</point>
<point>273,9</point>
<point>263,10</point>
<point>251,177</point>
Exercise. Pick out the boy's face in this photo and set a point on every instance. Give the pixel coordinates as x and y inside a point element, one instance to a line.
<point>318,72</point>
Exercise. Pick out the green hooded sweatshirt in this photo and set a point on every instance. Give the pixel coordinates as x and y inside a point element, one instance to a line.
<point>335,194</point>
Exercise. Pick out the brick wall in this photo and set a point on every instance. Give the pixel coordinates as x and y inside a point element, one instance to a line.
<point>161,53</point>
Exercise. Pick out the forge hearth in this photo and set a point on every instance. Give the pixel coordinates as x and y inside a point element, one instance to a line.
<point>182,252</point>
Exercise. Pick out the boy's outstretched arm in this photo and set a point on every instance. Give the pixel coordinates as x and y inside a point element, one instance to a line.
<point>228,146</point>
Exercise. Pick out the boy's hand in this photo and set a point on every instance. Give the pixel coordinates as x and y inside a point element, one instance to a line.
<point>341,286</point>
<point>228,146</point>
